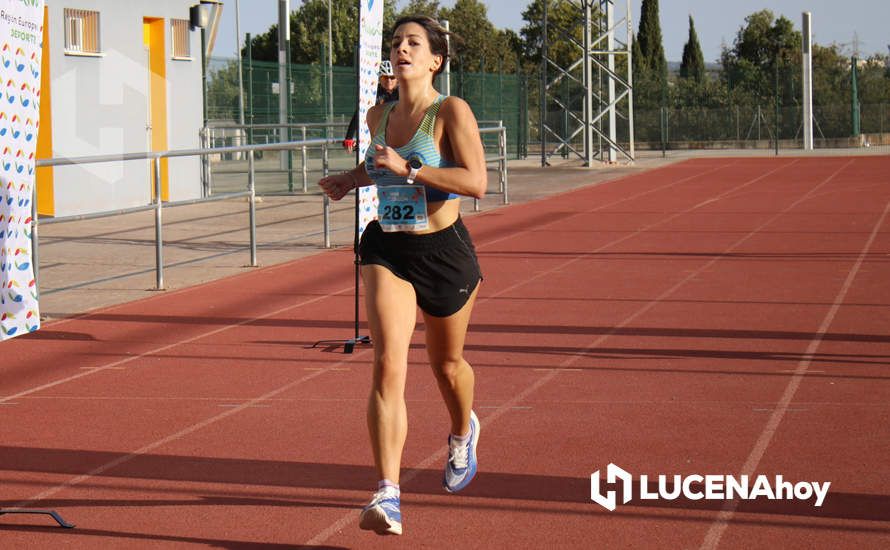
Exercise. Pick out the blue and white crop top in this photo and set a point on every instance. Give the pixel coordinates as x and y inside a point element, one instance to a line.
<point>422,145</point>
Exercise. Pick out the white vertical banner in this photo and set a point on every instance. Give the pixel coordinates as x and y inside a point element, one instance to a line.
<point>21,43</point>
<point>370,44</point>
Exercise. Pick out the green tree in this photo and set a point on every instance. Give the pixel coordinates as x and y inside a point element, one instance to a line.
<point>430,8</point>
<point>761,46</point>
<point>874,80</point>
<point>650,39</point>
<point>478,40</point>
<point>649,64</point>
<point>693,65</point>
<point>309,33</point>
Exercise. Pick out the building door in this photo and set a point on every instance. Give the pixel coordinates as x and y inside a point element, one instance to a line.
<point>156,126</point>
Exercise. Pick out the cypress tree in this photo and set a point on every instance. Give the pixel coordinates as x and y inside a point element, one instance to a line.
<point>693,65</point>
<point>650,40</point>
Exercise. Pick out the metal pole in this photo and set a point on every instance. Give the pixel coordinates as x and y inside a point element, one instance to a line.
<point>250,79</point>
<point>588,88</point>
<point>204,72</point>
<point>854,96</point>
<point>326,219</point>
<point>327,133</point>
<point>283,38</point>
<point>807,67</point>
<point>205,162</point>
<point>240,64</point>
<point>630,82</point>
<point>251,201</point>
<point>542,130</point>
<point>759,118</point>
<point>504,166</point>
<point>502,155</point>
<point>613,130</point>
<point>777,104</point>
<point>738,124</point>
<point>326,202</point>
<point>304,169</point>
<point>325,169</point>
<point>663,131</point>
<point>159,247</point>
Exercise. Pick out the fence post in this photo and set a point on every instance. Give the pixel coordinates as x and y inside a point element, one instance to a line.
<point>663,131</point>
<point>159,247</point>
<point>502,155</point>
<point>519,113</point>
<point>304,169</point>
<point>251,201</point>
<point>567,101</point>
<point>484,80</point>
<point>504,183</point>
<point>777,107</point>
<point>759,118</point>
<point>738,129</point>
<point>501,89</point>
<point>250,88</point>
<point>325,170</point>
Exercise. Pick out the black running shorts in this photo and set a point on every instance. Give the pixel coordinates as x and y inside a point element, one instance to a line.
<point>441,266</point>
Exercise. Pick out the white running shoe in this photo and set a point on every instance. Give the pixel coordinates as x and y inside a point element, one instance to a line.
<point>461,466</point>
<point>383,514</point>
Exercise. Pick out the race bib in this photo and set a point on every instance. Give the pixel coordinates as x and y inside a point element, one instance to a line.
<point>402,208</point>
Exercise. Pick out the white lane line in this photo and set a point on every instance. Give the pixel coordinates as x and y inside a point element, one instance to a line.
<point>715,533</point>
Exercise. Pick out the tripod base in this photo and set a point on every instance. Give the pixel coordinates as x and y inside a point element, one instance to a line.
<point>61,521</point>
<point>348,345</point>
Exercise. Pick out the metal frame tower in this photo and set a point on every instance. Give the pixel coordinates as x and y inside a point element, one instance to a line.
<point>603,95</point>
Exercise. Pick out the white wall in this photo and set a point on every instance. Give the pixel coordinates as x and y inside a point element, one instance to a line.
<point>100,107</point>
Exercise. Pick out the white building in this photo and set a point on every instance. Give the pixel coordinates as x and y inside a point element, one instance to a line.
<point>119,76</point>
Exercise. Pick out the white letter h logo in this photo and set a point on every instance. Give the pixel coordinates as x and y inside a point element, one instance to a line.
<point>613,474</point>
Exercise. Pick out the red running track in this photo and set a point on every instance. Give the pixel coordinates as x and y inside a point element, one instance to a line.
<point>721,316</point>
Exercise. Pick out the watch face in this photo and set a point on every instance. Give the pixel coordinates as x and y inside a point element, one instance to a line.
<point>415,163</point>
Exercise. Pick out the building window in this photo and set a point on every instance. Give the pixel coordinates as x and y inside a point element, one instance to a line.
<point>179,31</point>
<point>82,32</point>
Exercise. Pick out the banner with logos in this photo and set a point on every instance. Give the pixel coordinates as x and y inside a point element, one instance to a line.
<point>370,44</point>
<point>21,43</point>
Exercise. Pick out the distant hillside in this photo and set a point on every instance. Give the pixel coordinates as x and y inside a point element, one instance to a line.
<point>674,67</point>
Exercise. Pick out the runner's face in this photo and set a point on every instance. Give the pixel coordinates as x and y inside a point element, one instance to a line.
<point>410,53</point>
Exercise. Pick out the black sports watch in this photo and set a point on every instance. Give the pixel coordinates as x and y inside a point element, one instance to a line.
<point>414,164</point>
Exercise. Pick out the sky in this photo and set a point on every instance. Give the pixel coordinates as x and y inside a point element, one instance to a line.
<point>716,21</point>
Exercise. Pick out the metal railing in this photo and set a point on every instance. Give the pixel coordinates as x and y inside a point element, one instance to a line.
<point>209,136</point>
<point>158,205</point>
<point>501,159</point>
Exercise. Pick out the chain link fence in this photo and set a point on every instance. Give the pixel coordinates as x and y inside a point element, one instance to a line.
<point>514,99</point>
<point>494,97</point>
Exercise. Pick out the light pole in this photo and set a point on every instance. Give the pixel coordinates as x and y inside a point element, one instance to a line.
<point>283,84</point>
<point>330,71</point>
<point>240,71</point>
